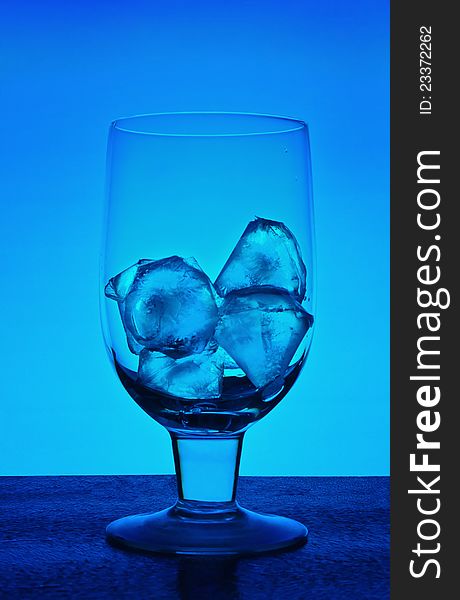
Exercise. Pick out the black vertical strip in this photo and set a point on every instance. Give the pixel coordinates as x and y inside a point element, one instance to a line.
<point>436,130</point>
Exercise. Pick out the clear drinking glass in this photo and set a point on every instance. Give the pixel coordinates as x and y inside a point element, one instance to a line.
<point>207,305</point>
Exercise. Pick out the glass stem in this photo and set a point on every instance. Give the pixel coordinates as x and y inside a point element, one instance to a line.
<point>207,470</point>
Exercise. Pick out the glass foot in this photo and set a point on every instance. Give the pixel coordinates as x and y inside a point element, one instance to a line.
<point>178,530</point>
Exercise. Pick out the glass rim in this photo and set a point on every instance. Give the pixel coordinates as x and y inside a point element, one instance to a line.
<point>292,124</point>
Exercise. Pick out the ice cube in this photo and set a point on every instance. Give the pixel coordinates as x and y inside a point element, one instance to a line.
<point>198,376</point>
<point>166,305</point>
<point>266,254</point>
<point>261,329</point>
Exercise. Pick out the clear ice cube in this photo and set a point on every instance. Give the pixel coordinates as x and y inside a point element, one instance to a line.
<point>198,376</point>
<point>166,305</point>
<point>266,254</point>
<point>261,329</point>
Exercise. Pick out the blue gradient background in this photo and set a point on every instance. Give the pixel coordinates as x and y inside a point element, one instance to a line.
<point>67,70</point>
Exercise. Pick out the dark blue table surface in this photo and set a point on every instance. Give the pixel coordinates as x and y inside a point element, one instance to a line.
<point>52,541</point>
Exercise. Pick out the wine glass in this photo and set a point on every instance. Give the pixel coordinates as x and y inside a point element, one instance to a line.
<point>207,306</point>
